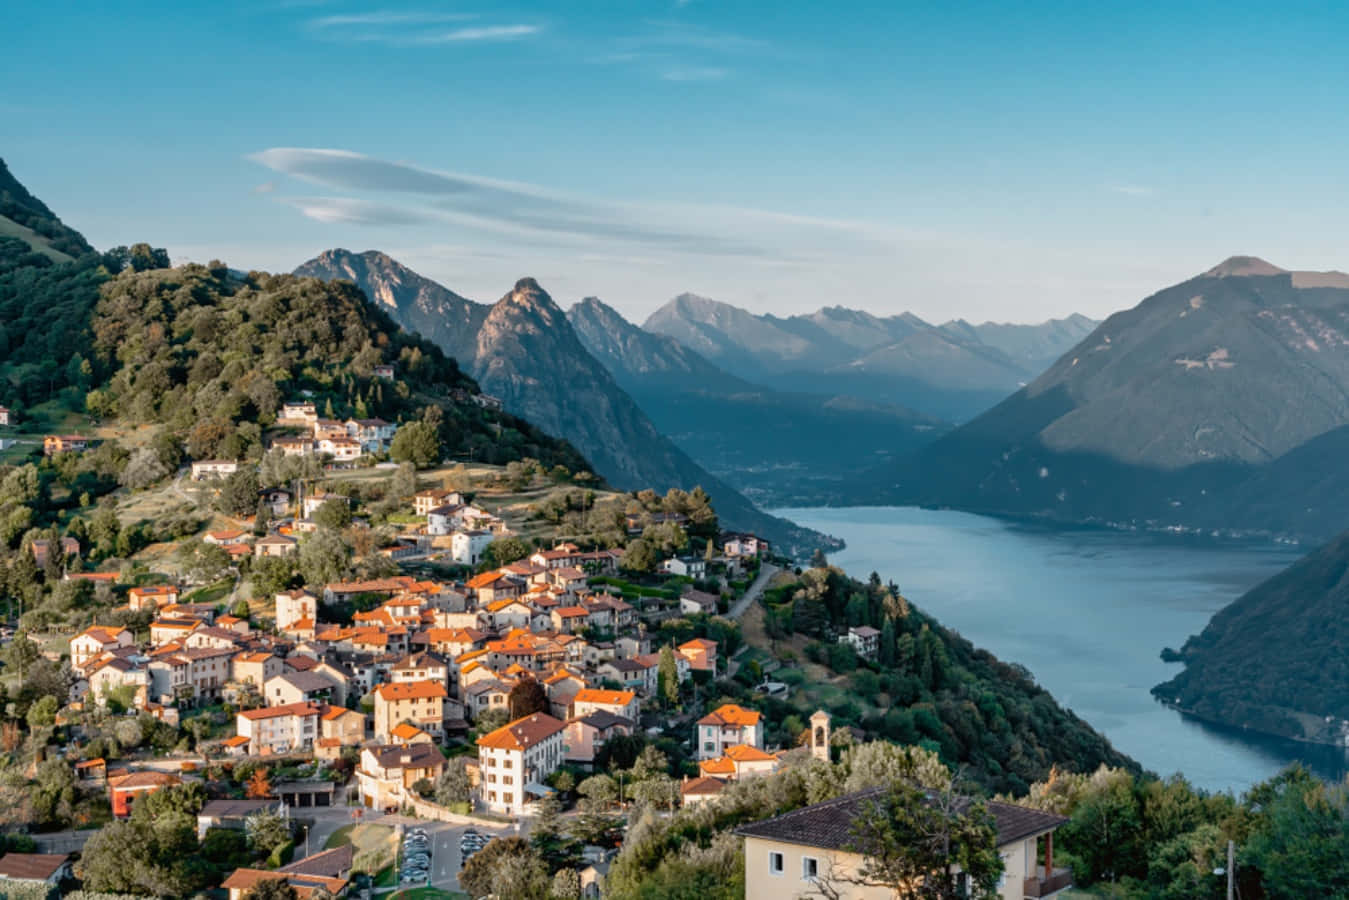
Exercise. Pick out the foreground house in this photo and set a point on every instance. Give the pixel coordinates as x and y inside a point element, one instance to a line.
<point>388,772</point>
<point>793,854</point>
<point>516,758</point>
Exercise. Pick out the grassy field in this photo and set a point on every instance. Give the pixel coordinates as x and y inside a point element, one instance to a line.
<point>428,893</point>
<point>364,837</point>
<point>10,228</point>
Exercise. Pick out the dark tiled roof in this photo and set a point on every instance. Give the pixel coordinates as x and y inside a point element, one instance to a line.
<point>328,864</point>
<point>829,824</point>
<point>411,756</point>
<point>33,866</point>
<point>226,809</point>
<point>604,720</point>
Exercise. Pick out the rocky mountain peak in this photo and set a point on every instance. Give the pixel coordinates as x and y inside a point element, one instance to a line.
<point>1238,266</point>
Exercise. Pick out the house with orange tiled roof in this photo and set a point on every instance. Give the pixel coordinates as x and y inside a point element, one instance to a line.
<point>338,728</point>
<point>255,667</point>
<point>739,761</point>
<point>407,733</point>
<point>506,613</point>
<point>620,703</point>
<point>569,619</point>
<point>516,757</point>
<point>293,727</point>
<point>124,789</point>
<point>387,772</point>
<point>728,725</point>
<point>421,703</point>
<point>96,640</point>
<point>493,586</point>
<point>452,642</point>
<point>701,654</point>
<point>292,606</point>
<point>151,596</point>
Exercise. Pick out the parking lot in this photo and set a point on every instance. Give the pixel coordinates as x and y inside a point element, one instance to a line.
<point>432,852</point>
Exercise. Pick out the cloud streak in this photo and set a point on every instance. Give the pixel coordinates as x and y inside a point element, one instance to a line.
<point>411,195</point>
<point>413,29</point>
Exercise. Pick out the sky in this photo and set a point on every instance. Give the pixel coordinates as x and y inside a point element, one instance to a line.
<point>1011,162</point>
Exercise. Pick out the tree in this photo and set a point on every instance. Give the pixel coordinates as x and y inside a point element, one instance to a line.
<point>202,562</point>
<point>266,830</point>
<point>913,842</point>
<point>504,551</point>
<point>508,868</point>
<point>528,696</point>
<point>1300,846</point>
<point>239,494</point>
<point>453,786</point>
<point>639,557</point>
<point>334,514</point>
<point>143,469</point>
<point>566,885</point>
<point>667,677</point>
<point>259,786</point>
<point>42,714</point>
<point>491,719</point>
<point>417,443</point>
<point>277,888</point>
<point>403,484</point>
<point>324,557</point>
<point>271,575</point>
<point>818,560</point>
<point>601,789</point>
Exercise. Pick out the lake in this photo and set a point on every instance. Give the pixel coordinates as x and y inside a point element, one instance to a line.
<point>1087,612</point>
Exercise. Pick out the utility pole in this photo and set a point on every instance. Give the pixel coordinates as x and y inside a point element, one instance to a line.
<point>1230,867</point>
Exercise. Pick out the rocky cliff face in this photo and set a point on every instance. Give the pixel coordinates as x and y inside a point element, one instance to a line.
<point>419,304</point>
<point>523,350</point>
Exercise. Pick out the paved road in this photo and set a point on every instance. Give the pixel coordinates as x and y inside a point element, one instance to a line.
<point>766,573</point>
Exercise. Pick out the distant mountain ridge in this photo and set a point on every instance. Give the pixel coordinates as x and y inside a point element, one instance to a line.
<point>1185,410</point>
<point>786,448</point>
<point>523,350</point>
<point>951,371</point>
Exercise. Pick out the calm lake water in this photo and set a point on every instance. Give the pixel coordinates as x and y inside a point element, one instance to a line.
<point>1086,611</point>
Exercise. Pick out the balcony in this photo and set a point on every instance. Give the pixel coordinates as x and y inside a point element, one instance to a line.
<point>1040,886</point>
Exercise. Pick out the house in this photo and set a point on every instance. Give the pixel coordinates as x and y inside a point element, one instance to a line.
<point>620,703</point>
<point>230,814</point>
<point>387,772</point>
<point>312,502</point>
<point>688,567</point>
<point>293,606</point>
<point>791,855</point>
<point>53,444</point>
<point>726,726</point>
<point>290,688</point>
<point>740,761</point>
<point>630,673</point>
<point>151,596</point>
<point>108,673</point>
<point>6,416</point>
<point>588,733</point>
<point>297,412</point>
<point>328,428</point>
<point>466,547</point>
<point>279,729</point>
<point>124,789</point>
<point>517,757</point>
<point>569,619</point>
<point>275,545</point>
<point>339,728</point>
<point>736,545</point>
<point>489,693</point>
<point>340,449</point>
<point>39,868</point>
<point>191,673</point>
<point>697,791</point>
<point>493,586</point>
<point>241,883</point>
<point>420,667</point>
<point>373,435</point>
<point>40,547</point>
<point>695,602</point>
<point>203,469</point>
<point>701,654</point>
<point>294,446</point>
<point>864,639</point>
<point>425,501</point>
<point>226,538</point>
<point>420,702</point>
<point>443,520</point>
<point>96,640</point>
<point>277,500</point>
<point>255,667</point>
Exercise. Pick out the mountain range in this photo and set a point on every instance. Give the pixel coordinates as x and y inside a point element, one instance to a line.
<point>777,446</point>
<point>1220,403</point>
<point>523,350</point>
<point>951,371</point>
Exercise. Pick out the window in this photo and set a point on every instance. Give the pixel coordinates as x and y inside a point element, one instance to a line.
<point>506,779</point>
<point>775,864</point>
<point>810,868</point>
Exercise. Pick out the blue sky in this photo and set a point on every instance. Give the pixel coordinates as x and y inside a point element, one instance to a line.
<point>992,161</point>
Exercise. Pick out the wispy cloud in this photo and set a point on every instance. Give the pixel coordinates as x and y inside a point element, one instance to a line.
<point>695,73</point>
<point>545,217</point>
<point>265,188</point>
<point>414,28</point>
<point>1132,190</point>
<point>349,211</point>
<point>386,17</point>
